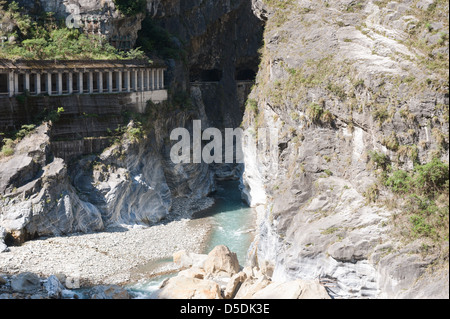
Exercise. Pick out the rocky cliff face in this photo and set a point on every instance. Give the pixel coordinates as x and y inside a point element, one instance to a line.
<point>340,80</point>
<point>221,39</point>
<point>131,182</point>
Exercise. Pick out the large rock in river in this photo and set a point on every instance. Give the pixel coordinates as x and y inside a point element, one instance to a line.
<point>182,287</point>
<point>298,289</point>
<point>222,262</point>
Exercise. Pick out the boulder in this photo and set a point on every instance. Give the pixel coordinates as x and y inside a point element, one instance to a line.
<point>3,247</point>
<point>222,262</point>
<point>109,292</point>
<point>194,272</point>
<point>185,259</point>
<point>3,280</point>
<point>234,284</point>
<point>16,172</point>
<point>72,283</point>
<point>251,286</point>
<point>26,283</point>
<point>54,287</point>
<point>182,287</point>
<point>298,289</point>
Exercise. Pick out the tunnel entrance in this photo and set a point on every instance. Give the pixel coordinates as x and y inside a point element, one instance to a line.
<point>213,75</point>
<point>245,75</point>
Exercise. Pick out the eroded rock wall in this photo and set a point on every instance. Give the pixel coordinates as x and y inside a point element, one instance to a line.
<point>338,80</point>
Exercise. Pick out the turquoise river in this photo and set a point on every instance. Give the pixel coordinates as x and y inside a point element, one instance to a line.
<point>233,224</point>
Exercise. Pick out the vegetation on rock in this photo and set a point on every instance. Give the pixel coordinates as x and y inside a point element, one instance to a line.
<point>48,39</point>
<point>131,7</point>
<point>320,89</point>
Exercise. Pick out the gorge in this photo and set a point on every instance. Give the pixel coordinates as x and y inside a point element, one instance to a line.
<point>356,200</point>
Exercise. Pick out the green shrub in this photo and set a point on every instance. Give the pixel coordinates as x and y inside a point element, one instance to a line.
<point>327,117</point>
<point>131,7</point>
<point>328,172</point>
<point>380,159</point>
<point>41,38</point>
<point>372,193</point>
<point>381,113</point>
<point>400,182</point>
<point>154,39</point>
<point>391,142</point>
<point>8,147</point>
<point>420,227</point>
<point>431,177</point>
<point>252,106</point>
<point>25,130</point>
<point>426,191</point>
<point>314,112</point>
<point>7,151</point>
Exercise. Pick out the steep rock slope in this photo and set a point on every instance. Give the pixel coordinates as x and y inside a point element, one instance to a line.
<point>342,82</point>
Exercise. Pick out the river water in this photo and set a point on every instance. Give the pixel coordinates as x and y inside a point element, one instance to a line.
<point>233,224</point>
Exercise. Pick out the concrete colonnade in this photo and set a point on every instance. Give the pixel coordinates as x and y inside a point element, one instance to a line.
<point>67,82</point>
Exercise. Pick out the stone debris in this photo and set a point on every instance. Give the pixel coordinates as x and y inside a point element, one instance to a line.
<point>222,278</point>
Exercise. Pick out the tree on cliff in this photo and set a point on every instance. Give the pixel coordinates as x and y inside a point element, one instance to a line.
<point>131,7</point>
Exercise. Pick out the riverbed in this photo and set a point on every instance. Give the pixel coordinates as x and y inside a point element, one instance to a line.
<point>232,223</point>
<point>126,255</point>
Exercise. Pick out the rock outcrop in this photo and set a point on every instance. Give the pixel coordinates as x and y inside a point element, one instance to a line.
<point>222,262</point>
<point>338,81</point>
<point>182,287</point>
<point>26,283</point>
<point>31,286</point>
<point>221,277</point>
<point>45,202</point>
<point>109,292</point>
<point>130,183</point>
<point>298,289</point>
<point>3,247</point>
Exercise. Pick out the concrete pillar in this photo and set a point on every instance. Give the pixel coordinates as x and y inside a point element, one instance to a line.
<point>150,84</point>
<point>141,80</point>
<point>134,80</point>
<point>70,83</point>
<point>119,81</point>
<point>149,80</point>
<point>157,79</point>
<point>162,79</point>
<point>16,83</point>
<point>100,82</point>
<point>27,82</point>
<point>60,83</point>
<point>11,88</point>
<point>91,82</point>
<point>80,82</point>
<point>153,79</point>
<point>110,82</point>
<point>145,87</point>
<point>38,83</point>
<point>49,83</point>
<point>128,81</point>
